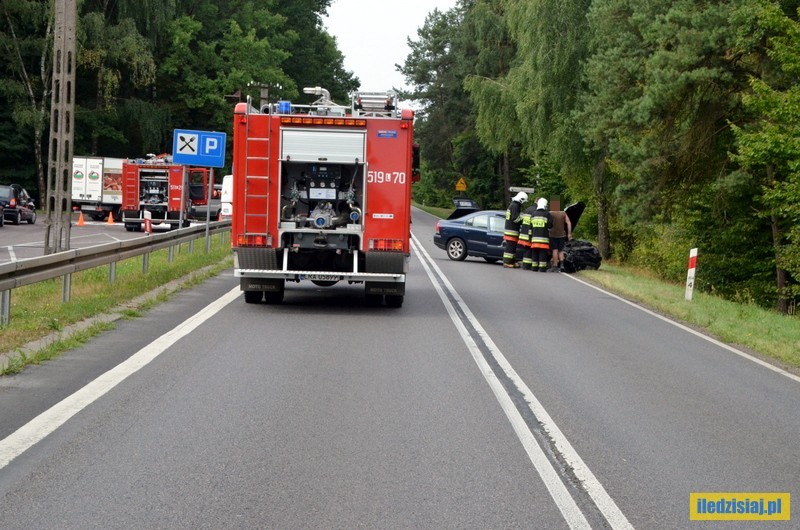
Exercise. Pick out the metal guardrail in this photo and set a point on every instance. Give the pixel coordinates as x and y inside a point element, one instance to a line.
<point>62,264</point>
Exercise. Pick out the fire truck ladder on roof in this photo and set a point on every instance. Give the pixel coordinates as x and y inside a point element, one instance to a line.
<point>256,185</point>
<point>374,103</point>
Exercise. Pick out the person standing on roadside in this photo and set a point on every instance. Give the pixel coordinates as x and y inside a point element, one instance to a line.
<point>511,230</point>
<point>560,233</point>
<point>539,240</point>
<point>525,237</point>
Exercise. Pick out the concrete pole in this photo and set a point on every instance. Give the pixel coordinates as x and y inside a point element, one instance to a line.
<point>62,121</point>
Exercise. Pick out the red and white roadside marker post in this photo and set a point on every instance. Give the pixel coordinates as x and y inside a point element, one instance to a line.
<point>148,223</point>
<point>690,275</point>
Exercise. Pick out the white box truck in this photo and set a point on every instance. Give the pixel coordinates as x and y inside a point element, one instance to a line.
<point>97,186</point>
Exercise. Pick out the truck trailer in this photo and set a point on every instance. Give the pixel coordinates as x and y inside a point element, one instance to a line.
<point>322,193</point>
<point>97,186</point>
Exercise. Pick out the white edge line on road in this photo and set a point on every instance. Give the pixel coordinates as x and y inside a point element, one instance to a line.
<point>558,491</point>
<point>48,421</point>
<point>590,482</point>
<point>712,340</point>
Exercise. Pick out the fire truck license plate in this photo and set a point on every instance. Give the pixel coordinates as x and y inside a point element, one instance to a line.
<point>322,277</point>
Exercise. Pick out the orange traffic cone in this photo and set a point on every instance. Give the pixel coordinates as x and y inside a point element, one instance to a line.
<point>110,218</point>
<point>80,220</point>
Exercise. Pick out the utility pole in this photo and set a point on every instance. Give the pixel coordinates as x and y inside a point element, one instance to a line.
<point>62,122</point>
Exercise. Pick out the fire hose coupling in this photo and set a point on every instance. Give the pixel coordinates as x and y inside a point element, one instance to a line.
<point>322,215</point>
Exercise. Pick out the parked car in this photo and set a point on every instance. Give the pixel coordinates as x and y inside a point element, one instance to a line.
<point>2,216</point>
<point>199,212</point>
<point>17,204</point>
<point>478,234</point>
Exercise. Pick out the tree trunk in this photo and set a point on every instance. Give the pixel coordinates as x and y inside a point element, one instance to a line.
<point>41,123</point>
<point>601,198</point>
<point>506,171</point>
<point>38,155</point>
<point>781,276</point>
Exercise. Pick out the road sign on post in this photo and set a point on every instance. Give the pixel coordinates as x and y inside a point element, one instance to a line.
<point>461,185</point>
<point>198,148</point>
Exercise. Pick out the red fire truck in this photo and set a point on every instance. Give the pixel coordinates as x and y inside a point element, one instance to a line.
<point>154,188</point>
<point>322,192</point>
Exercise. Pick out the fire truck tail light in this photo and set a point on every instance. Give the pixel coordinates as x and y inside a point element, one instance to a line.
<point>386,244</point>
<point>252,240</point>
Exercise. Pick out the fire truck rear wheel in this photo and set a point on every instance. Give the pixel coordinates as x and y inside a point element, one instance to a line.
<point>253,297</point>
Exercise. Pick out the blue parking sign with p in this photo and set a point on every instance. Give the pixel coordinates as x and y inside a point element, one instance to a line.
<point>198,148</point>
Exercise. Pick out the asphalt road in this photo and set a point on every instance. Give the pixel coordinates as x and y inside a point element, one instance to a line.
<point>493,398</point>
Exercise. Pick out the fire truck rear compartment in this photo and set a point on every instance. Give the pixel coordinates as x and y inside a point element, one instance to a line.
<point>322,197</point>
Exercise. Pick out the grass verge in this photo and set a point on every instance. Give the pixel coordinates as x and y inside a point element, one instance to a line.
<point>748,326</point>
<point>441,213</point>
<point>38,313</point>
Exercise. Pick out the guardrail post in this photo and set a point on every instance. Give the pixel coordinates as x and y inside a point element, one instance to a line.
<point>66,290</point>
<point>191,246</point>
<point>112,272</point>
<point>5,307</point>
<point>171,254</point>
<point>145,263</point>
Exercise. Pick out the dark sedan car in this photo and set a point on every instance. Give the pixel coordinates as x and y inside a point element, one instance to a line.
<point>17,204</point>
<point>478,234</point>
<point>199,212</point>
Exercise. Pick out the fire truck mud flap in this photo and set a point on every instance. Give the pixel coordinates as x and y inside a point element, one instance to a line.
<point>257,289</point>
<point>385,262</point>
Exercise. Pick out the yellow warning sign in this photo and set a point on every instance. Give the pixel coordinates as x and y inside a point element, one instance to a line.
<point>461,185</point>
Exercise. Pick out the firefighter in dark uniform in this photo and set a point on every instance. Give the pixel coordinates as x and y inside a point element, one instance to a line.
<point>539,238</point>
<point>525,237</point>
<point>511,230</point>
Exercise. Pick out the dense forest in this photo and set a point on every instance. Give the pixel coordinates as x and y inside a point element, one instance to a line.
<point>147,67</point>
<point>675,121</point>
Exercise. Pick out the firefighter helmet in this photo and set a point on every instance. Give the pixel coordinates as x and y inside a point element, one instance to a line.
<point>521,197</point>
<point>541,204</point>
